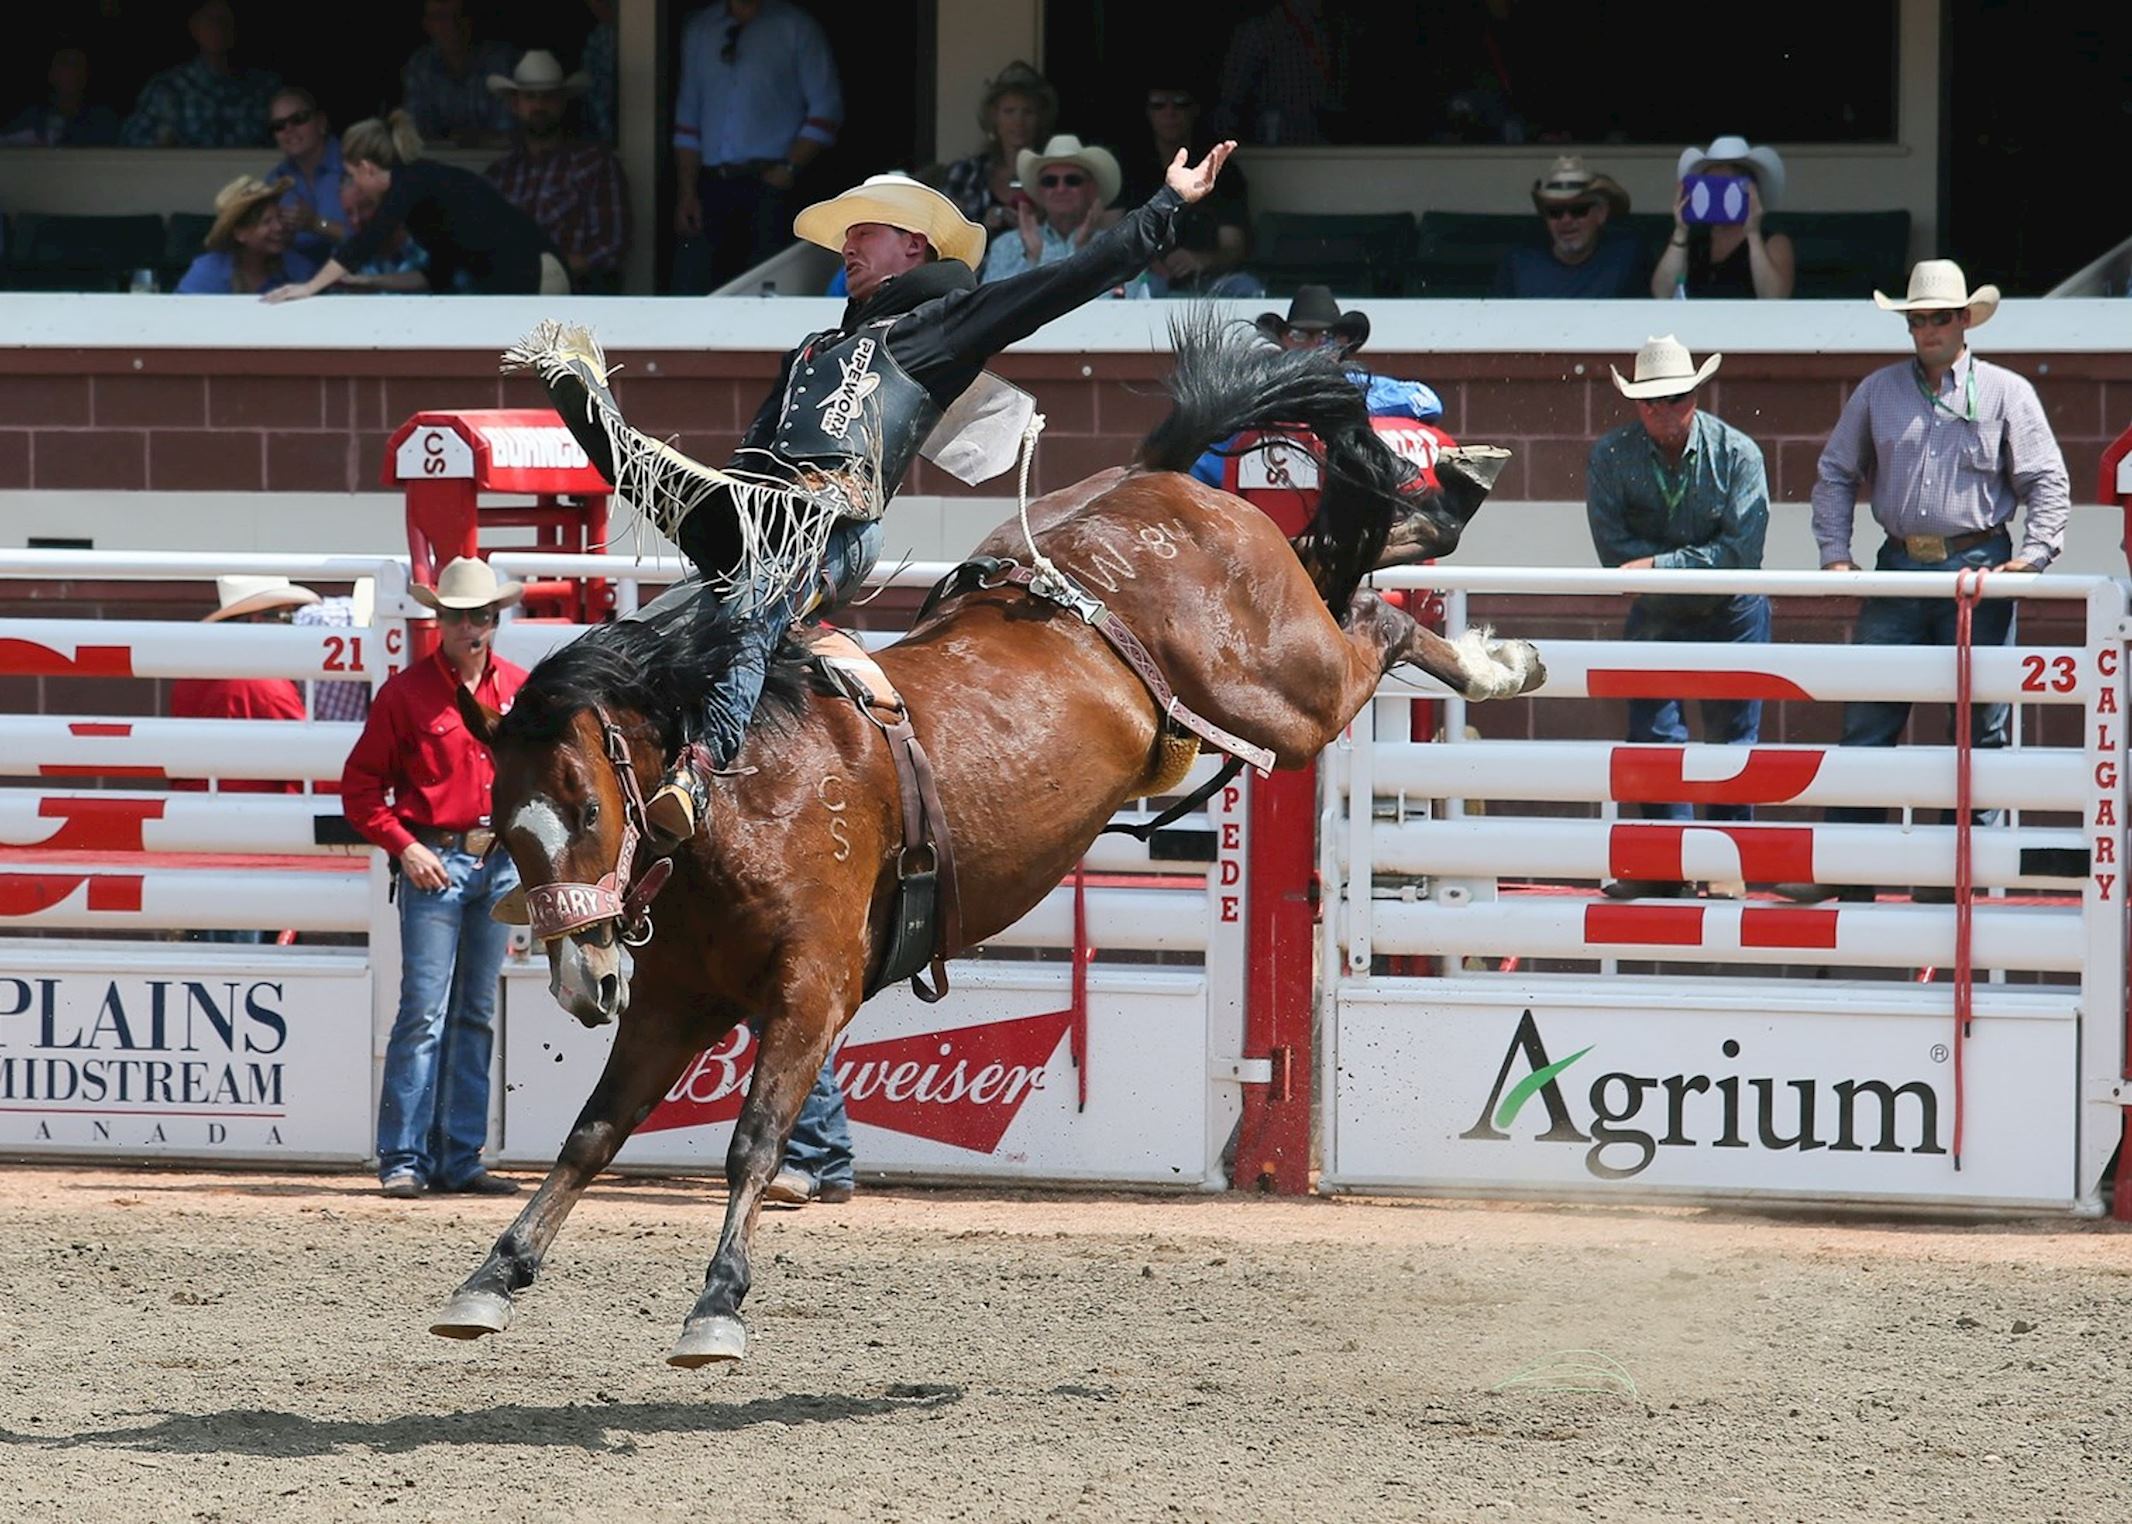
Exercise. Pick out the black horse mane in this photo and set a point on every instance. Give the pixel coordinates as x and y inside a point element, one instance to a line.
<point>1227,380</point>
<point>660,665</point>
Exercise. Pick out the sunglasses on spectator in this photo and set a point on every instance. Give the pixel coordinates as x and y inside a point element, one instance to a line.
<point>467,616</point>
<point>1053,182</point>
<point>293,119</point>
<point>1574,209</point>
<point>1929,319</point>
<point>1169,102</point>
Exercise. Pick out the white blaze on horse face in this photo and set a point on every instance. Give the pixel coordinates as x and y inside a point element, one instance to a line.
<point>540,819</point>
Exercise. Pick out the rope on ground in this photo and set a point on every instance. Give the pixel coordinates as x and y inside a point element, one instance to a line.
<point>1572,1370</point>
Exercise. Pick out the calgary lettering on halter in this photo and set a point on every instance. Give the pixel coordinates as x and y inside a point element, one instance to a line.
<point>1617,1098</point>
<point>840,409</point>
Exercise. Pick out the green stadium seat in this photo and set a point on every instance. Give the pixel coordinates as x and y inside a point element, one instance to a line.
<point>68,252</point>
<point>1848,255</point>
<point>1357,254</point>
<point>1457,252</point>
<point>183,243</point>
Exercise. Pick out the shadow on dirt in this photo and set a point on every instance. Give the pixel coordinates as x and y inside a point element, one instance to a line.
<point>595,1426</point>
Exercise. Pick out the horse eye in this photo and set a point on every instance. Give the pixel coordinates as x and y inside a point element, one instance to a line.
<point>592,813</point>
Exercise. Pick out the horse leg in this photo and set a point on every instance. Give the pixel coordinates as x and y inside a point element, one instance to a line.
<point>785,1070</point>
<point>1476,665</point>
<point>647,1057</point>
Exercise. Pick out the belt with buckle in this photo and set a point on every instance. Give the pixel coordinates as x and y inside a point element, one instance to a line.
<point>1939,547</point>
<point>475,842</point>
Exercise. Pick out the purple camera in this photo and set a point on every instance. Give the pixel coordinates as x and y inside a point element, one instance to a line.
<point>1715,198</point>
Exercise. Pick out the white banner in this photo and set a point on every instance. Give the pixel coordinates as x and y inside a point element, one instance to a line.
<point>1835,1092</point>
<point>981,1085</point>
<point>206,1052</point>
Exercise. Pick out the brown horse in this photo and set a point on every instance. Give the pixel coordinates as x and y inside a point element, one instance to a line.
<point>780,909</point>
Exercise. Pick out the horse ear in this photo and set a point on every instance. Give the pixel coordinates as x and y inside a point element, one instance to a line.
<point>481,721</point>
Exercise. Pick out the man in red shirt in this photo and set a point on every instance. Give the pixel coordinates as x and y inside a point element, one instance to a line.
<point>433,1111</point>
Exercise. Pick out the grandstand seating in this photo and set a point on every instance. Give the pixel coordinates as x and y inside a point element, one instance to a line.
<point>1357,254</point>
<point>51,252</point>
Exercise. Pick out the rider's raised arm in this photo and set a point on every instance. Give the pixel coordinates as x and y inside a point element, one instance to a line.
<point>983,322</point>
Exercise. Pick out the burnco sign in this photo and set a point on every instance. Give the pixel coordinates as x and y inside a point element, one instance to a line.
<point>1842,1100</point>
<point>220,1057</point>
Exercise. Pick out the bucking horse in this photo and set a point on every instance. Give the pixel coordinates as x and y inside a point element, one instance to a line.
<point>827,866</point>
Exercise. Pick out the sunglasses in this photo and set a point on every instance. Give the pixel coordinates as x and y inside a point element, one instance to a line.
<point>467,616</point>
<point>1574,209</point>
<point>1053,182</point>
<point>1169,102</point>
<point>293,119</point>
<point>1929,319</point>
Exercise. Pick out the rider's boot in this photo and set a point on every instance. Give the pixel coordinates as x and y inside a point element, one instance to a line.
<point>676,809</point>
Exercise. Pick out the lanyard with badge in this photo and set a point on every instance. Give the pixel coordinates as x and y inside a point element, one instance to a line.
<point>1917,374</point>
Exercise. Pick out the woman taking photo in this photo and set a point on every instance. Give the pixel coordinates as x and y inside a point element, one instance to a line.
<point>476,240</point>
<point>1740,260</point>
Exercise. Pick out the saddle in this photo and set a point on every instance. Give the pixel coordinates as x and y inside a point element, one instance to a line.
<point>927,923</point>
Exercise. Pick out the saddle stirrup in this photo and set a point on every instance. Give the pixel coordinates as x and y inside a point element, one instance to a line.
<point>677,808</point>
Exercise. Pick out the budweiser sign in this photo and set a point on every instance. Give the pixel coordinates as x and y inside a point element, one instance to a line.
<point>962,1087</point>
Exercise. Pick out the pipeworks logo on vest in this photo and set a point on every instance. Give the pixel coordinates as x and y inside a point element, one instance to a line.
<point>1623,1121</point>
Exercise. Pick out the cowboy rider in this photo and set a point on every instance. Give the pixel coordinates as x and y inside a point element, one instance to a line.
<point>794,520</point>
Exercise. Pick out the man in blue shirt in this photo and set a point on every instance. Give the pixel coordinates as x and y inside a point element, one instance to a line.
<point>759,101</point>
<point>1679,489</point>
<point>1583,257</point>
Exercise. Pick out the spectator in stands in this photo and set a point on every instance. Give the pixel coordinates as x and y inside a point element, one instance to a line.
<point>1314,318</point>
<point>444,84</point>
<point>66,118</point>
<point>248,248</point>
<point>209,102</point>
<point>1214,235</point>
<point>433,1105</point>
<point>1678,489</point>
<point>1073,185</point>
<point>596,61</point>
<point>1284,77</point>
<point>1946,446</point>
<point>400,264</point>
<point>311,164</point>
<point>759,101</point>
<point>1018,112</point>
<point>1728,259</point>
<point>572,188</point>
<point>1583,257</point>
<point>342,702</point>
<point>460,219</point>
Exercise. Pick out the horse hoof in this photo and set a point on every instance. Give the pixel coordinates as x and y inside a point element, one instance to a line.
<point>705,1341</point>
<point>471,1314</point>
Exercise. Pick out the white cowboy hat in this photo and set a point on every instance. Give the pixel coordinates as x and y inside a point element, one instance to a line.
<point>538,73</point>
<point>1937,285</point>
<point>1664,368</point>
<point>1766,164</point>
<point>468,583</point>
<point>899,202</point>
<point>248,595</point>
<point>1101,165</point>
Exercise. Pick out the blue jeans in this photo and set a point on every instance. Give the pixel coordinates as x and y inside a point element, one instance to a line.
<point>1927,622</point>
<point>1728,722</point>
<point>433,1110</point>
<point>853,548</point>
<point>821,1138</point>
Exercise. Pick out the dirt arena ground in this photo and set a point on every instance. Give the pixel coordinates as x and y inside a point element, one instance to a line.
<point>225,1347</point>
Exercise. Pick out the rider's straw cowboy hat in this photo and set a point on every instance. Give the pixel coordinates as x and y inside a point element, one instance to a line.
<point>1099,163</point>
<point>1568,181</point>
<point>467,583</point>
<point>1664,368</point>
<point>1938,285</point>
<point>1763,162</point>
<point>539,73</point>
<point>238,596</point>
<point>899,202</point>
<point>235,201</point>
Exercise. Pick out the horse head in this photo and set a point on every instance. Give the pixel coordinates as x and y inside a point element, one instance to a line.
<point>563,807</point>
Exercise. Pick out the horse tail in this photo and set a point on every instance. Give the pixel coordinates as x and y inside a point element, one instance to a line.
<point>1226,382</point>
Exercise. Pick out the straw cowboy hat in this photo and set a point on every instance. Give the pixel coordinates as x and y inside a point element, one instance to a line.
<point>1664,368</point>
<point>468,583</point>
<point>1764,163</point>
<point>900,202</point>
<point>235,201</point>
<point>238,596</point>
<point>1937,285</point>
<point>1313,310</point>
<point>1568,180</point>
<point>539,73</point>
<point>1101,165</point>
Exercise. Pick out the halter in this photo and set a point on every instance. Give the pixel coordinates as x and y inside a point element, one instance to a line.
<point>559,909</point>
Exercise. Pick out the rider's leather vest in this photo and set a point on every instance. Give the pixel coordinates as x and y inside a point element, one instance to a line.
<point>849,404</point>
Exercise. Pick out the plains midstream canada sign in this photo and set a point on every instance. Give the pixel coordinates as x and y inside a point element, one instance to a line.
<point>214,1055</point>
<point>1532,1089</point>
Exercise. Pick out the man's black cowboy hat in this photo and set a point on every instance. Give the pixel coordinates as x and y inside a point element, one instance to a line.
<point>1314,311</point>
